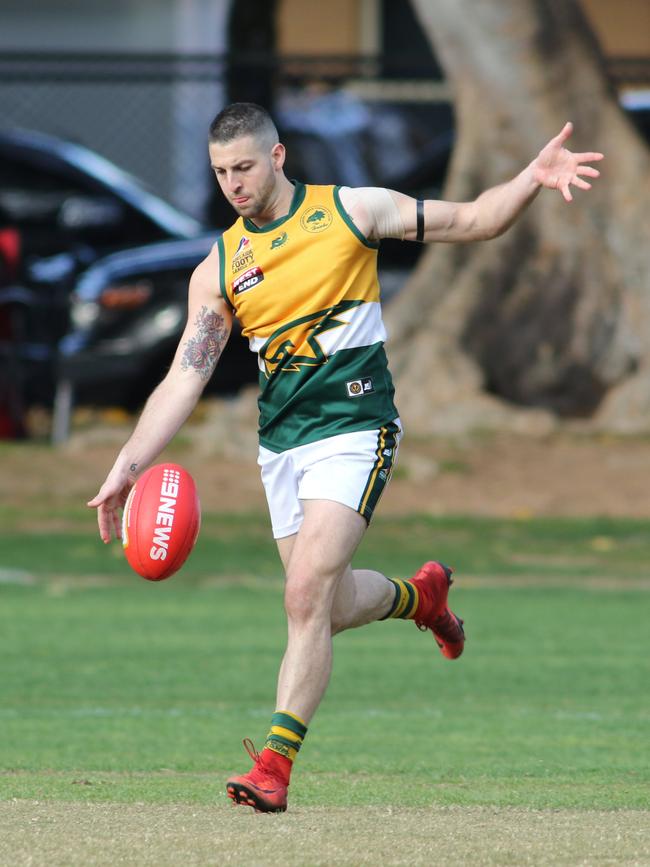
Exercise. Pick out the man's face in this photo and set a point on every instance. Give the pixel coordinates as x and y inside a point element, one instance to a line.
<point>247,173</point>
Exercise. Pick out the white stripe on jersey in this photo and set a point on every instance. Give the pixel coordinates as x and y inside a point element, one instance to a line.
<point>364,328</point>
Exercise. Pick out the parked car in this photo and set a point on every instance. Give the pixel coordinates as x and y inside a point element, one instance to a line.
<point>64,198</point>
<point>61,207</point>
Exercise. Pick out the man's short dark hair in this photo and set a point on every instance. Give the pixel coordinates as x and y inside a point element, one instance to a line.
<point>240,119</point>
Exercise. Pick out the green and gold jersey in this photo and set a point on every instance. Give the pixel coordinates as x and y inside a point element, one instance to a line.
<point>306,293</point>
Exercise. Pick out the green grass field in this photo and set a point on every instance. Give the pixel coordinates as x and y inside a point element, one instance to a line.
<point>118,691</point>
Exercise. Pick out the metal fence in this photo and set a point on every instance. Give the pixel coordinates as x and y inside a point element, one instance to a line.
<point>141,112</point>
<point>145,112</point>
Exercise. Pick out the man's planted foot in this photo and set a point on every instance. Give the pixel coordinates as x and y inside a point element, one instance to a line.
<point>261,788</point>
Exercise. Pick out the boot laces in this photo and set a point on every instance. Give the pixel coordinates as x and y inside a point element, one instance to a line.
<point>249,746</point>
<point>261,772</point>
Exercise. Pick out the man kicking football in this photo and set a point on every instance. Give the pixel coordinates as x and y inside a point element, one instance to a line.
<point>299,270</point>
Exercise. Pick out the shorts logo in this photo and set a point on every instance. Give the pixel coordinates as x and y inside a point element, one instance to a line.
<point>247,280</point>
<point>279,241</point>
<point>359,387</point>
<point>316,219</point>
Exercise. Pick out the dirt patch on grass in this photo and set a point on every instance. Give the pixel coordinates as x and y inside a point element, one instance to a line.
<point>510,476</point>
<point>497,474</point>
<point>66,835</point>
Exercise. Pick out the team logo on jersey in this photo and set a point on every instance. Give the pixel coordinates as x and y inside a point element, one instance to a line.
<point>316,219</point>
<point>359,387</point>
<point>296,345</point>
<point>279,241</point>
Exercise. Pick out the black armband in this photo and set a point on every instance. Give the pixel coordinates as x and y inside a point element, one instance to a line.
<point>419,236</point>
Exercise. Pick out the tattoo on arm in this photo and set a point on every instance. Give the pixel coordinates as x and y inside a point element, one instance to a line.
<point>202,351</point>
<point>133,468</point>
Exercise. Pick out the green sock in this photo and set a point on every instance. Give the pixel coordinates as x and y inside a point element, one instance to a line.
<point>405,602</point>
<point>286,734</point>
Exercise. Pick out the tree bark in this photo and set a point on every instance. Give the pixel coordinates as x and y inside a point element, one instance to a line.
<point>556,313</point>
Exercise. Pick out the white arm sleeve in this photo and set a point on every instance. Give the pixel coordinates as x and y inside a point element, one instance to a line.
<point>381,211</point>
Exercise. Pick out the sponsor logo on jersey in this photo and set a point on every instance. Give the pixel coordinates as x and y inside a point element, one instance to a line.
<point>165,515</point>
<point>247,280</point>
<point>359,387</point>
<point>279,241</point>
<point>244,242</point>
<point>316,219</point>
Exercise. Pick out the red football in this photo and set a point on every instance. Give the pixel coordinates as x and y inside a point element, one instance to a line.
<point>161,521</point>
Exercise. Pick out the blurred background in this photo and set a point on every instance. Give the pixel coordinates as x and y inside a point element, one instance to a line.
<point>106,198</point>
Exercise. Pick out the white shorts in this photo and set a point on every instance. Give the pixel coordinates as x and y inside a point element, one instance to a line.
<point>350,468</point>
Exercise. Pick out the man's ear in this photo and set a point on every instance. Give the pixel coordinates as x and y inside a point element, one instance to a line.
<point>278,156</point>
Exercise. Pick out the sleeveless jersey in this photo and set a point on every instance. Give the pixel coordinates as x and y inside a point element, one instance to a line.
<point>306,293</point>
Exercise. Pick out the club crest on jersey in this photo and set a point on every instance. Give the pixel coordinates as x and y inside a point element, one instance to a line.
<point>316,219</point>
<point>247,280</point>
<point>359,387</point>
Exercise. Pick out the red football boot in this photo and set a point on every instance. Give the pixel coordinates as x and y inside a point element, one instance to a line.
<point>262,788</point>
<point>433,581</point>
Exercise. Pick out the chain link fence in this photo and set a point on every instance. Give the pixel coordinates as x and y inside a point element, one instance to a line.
<point>143,113</point>
<point>146,113</point>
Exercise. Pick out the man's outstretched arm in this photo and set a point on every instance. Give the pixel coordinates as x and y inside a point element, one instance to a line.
<point>387,213</point>
<point>206,333</point>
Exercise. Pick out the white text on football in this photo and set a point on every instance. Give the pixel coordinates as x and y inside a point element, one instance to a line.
<point>164,520</point>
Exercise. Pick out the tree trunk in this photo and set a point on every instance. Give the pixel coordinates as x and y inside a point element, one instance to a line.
<point>556,313</point>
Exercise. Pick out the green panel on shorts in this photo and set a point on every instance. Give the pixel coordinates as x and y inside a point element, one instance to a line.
<point>351,391</point>
<point>381,471</point>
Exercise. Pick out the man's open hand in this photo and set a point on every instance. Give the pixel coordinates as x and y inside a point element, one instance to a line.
<point>110,501</point>
<point>556,167</point>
